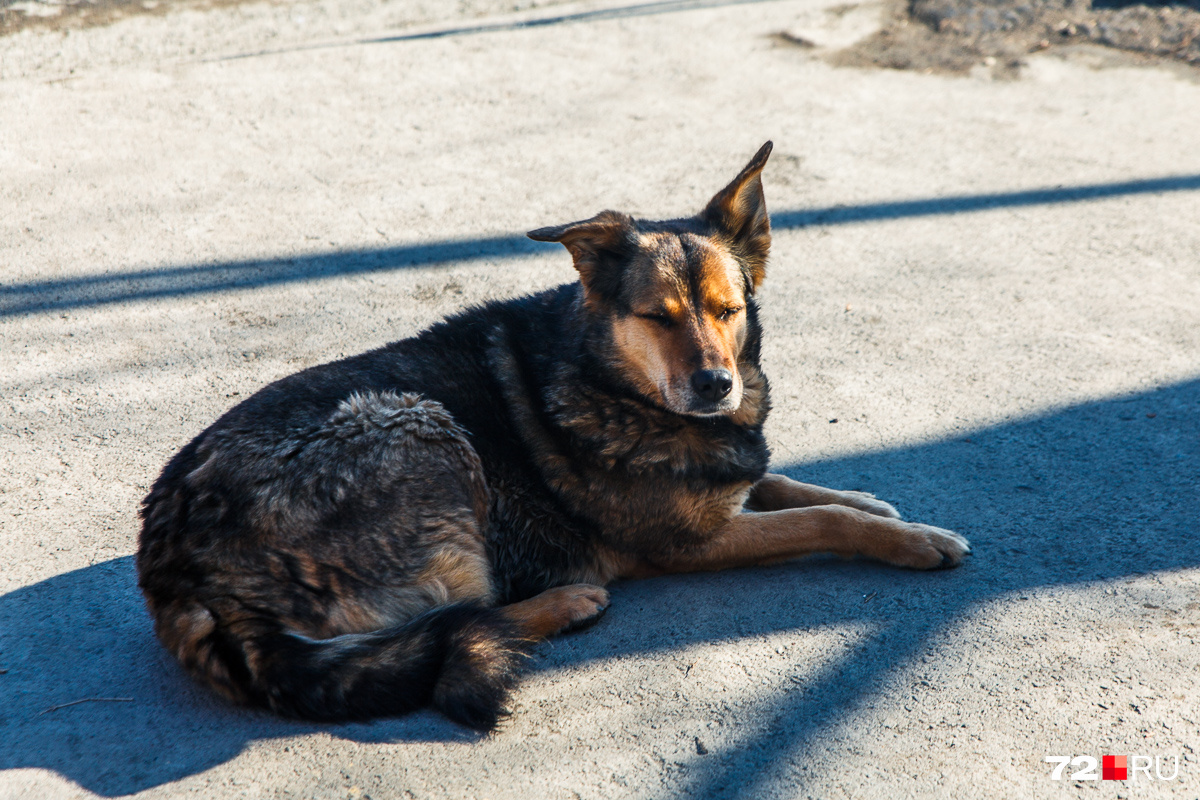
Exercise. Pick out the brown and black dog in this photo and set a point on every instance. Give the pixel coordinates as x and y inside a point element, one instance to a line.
<point>395,529</point>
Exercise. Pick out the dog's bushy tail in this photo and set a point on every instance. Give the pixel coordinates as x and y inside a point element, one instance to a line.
<point>462,659</point>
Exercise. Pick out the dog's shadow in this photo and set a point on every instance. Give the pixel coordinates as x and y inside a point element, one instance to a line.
<point>1089,493</point>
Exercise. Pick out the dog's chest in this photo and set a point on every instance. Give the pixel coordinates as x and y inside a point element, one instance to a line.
<point>647,480</point>
<point>642,477</point>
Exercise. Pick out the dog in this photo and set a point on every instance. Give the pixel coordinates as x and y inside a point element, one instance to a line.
<point>396,529</point>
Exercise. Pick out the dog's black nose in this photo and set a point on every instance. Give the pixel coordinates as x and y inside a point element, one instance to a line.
<point>712,384</point>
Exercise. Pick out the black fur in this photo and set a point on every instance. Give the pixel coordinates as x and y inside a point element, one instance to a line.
<point>487,366</point>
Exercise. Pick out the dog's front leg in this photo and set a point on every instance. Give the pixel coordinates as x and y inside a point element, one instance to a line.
<point>762,537</point>
<point>777,492</point>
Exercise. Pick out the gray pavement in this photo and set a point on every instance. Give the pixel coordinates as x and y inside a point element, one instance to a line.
<point>991,285</point>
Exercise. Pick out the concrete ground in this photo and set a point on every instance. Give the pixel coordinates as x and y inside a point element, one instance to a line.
<point>982,305</point>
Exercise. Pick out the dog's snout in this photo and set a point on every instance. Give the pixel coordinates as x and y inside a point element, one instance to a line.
<point>712,385</point>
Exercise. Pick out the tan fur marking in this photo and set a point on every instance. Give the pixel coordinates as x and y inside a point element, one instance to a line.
<point>643,361</point>
<point>184,629</point>
<point>659,360</point>
<point>455,569</point>
<point>463,572</point>
<point>764,537</point>
<point>721,290</point>
<point>555,610</point>
<point>775,492</point>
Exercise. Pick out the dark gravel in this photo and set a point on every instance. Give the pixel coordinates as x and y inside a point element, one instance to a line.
<point>955,35</point>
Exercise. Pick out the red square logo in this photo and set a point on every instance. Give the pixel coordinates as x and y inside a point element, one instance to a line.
<point>1114,768</point>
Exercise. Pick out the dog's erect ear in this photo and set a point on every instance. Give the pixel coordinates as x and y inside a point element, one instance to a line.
<point>739,212</point>
<point>600,246</point>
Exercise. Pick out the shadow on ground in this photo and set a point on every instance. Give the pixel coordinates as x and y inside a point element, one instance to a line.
<point>85,291</point>
<point>1092,492</point>
<point>63,14</point>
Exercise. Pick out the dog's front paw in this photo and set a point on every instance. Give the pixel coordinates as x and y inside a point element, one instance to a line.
<point>865,501</point>
<point>918,547</point>
<point>927,547</point>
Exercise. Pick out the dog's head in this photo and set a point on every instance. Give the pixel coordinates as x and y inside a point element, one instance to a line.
<point>677,295</point>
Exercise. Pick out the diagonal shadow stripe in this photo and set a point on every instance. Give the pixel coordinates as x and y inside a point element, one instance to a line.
<point>594,15</point>
<point>180,281</point>
<point>147,284</point>
<point>969,203</point>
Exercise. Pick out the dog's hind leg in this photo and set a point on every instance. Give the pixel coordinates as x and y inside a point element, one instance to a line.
<point>557,610</point>
<point>338,573</point>
<point>777,492</point>
<point>390,493</point>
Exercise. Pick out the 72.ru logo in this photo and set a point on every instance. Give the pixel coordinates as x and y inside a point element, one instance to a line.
<point>1113,768</point>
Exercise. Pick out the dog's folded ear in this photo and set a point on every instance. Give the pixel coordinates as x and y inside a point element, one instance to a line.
<point>739,213</point>
<point>600,247</point>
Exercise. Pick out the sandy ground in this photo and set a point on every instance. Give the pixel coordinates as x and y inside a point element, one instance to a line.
<point>991,285</point>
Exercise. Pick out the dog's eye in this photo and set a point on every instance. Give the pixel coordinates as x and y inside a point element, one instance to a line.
<point>729,313</point>
<point>661,319</point>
